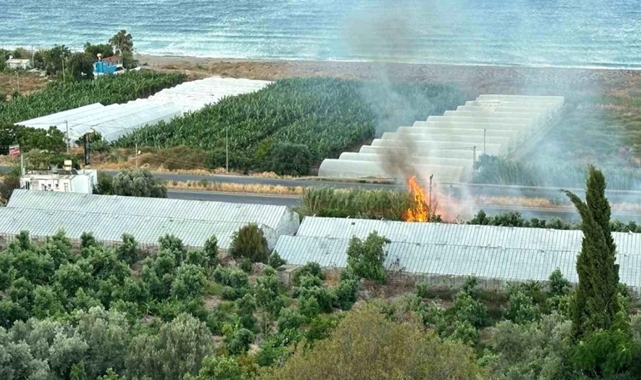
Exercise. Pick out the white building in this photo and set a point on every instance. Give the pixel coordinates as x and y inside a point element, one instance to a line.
<point>73,181</point>
<point>15,63</point>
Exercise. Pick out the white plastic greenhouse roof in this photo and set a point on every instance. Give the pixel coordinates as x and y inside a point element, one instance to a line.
<point>193,96</point>
<point>279,218</point>
<point>499,263</point>
<point>443,234</point>
<point>116,120</point>
<point>110,121</point>
<point>492,124</point>
<point>111,227</point>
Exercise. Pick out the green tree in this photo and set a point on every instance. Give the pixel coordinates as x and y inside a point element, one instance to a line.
<point>177,350</point>
<point>105,184</point>
<point>596,303</point>
<point>138,183</point>
<point>367,345</point>
<point>105,50</point>
<point>189,282</point>
<point>122,42</point>
<point>10,182</point>
<point>366,258</point>
<point>249,242</point>
<point>285,158</point>
<point>80,66</point>
<point>218,368</point>
<point>107,336</point>
<point>211,252</point>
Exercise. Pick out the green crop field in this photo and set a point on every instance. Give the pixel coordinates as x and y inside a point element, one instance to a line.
<point>327,116</point>
<point>58,96</point>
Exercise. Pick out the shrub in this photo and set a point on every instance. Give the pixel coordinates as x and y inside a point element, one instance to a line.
<point>521,309</point>
<point>466,308</point>
<point>346,293</point>
<point>366,258</point>
<point>249,242</point>
<point>275,261</point>
<point>309,307</point>
<point>290,319</point>
<point>287,158</point>
<point>239,341</point>
<point>309,269</point>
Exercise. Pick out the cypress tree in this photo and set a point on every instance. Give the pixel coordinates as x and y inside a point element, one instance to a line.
<point>596,299</point>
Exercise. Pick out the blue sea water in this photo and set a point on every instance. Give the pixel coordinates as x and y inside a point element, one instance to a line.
<point>561,33</point>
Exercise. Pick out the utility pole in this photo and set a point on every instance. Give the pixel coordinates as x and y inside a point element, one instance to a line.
<point>484,132</point>
<point>227,149</point>
<point>430,204</point>
<point>67,136</point>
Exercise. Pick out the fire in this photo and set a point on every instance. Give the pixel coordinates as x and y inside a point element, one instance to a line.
<point>420,212</point>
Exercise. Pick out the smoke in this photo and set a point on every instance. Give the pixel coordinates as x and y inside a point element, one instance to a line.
<point>582,136</point>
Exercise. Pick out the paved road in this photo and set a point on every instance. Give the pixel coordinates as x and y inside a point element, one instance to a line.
<point>457,190</point>
<point>291,201</point>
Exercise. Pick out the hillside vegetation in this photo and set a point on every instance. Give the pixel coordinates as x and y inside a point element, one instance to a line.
<point>318,117</point>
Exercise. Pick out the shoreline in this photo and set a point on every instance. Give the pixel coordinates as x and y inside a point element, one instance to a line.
<point>475,78</point>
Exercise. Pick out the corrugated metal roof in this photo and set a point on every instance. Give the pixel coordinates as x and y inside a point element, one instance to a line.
<point>461,234</point>
<point>268,215</point>
<point>508,264</point>
<point>110,227</point>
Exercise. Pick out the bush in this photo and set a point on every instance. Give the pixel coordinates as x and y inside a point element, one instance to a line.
<point>521,309</point>
<point>309,269</point>
<point>290,319</point>
<point>346,294</point>
<point>239,341</point>
<point>287,159</point>
<point>249,242</point>
<point>309,307</point>
<point>138,183</point>
<point>275,261</point>
<point>466,308</point>
<point>366,258</point>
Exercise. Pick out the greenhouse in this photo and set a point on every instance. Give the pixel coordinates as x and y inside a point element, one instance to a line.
<point>492,124</point>
<point>109,228</point>
<point>461,234</point>
<point>279,218</point>
<point>193,96</point>
<point>337,168</point>
<point>110,121</point>
<point>452,265</point>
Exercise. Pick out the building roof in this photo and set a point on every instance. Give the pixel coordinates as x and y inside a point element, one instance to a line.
<point>112,59</point>
<point>461,234</point>
<point>111,227</point>
<point>507,264</point>
<point>268,215</point>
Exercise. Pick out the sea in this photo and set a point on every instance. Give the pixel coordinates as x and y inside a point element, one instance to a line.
<point>553,33</point>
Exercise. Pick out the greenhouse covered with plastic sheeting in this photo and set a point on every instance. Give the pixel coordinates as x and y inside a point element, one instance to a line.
<point>110,121</point>
<point>494,125</point>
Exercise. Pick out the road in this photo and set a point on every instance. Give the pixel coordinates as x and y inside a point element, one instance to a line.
<point>460,190</point>
<point>291,201</point>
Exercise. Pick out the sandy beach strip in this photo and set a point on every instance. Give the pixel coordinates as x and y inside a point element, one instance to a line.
<point>522,80</point>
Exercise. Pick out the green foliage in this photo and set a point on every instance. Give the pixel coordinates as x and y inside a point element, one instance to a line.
<point>189,282</point>
<point>105,50</point>
<point>468,309</point>
<point>366,258</point>
<point>312,270</point>
<point>347,293</point>
<point>290,319</point>
<point>288,159</point>
<point>105,184</point>
<point>606,353</point>
<point>238,341</point>
<point>596,302</point>
<point>177,349</point>
<point>236,282</point>
<point>332,113</point>
<point>80,66</point>
<point>122,42</point>
<point>128,251</point>
<point>246,309</point>
<point>110,89</point>
<point>249,242</point>
<point>268,293</point>
<point>275,261</point>
<point>211,252</point>
<point>355,203</point>
<point>501,171</point>
<point>138,183</point>
<point>521,309</point>
<point>218,368</point>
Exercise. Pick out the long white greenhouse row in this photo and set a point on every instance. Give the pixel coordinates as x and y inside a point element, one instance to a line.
<point>446,146</point>
<point>116,120</point>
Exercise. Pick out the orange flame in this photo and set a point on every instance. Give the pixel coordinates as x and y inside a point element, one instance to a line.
<point>420,212</point>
